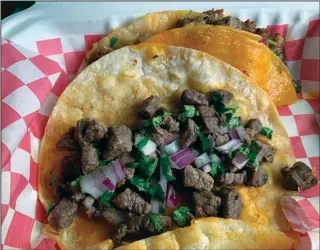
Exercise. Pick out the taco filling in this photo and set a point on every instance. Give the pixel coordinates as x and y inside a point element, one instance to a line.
<point>174,166</point>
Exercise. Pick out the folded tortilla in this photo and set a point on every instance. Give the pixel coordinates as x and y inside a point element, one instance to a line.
<point>110,90</point>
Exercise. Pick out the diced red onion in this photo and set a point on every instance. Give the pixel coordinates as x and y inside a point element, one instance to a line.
<point>149,148</point>
<point>223,130</point>
<point>119,170</point>
<point>202,160</point>
<point>108,183</point>
<point>155,206</point>
<point>241,132</point>
<point>212,142</point>
<point>206,168</point>
<point>233,134</point>
<point>214,158</point>
<point>230,146</point>
<point>264,39</point>
<point>87,186</point>
<point>240,160</point>
<point>172,148</point>
<point>186,160</point>
<point>172,199</point>
<point>180,154</point>
<point>170,139</point>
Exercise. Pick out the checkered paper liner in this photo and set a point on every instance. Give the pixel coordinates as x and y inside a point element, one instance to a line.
<point>33,81</point>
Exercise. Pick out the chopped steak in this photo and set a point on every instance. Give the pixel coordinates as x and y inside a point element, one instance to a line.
<point>67,142</point>
<point>207,17</point>
<point>266,154</point>
<point>233,178</point>
<point>63,214</point>
<point>114,216</point>
<point>192,97</point>
<point>170,124</point>
<point>209,119</point>
<point>253,127</point>
<point>159,135</point>
<point>124,159</point>
<point>226,95</point>
<point>89,130</point>
<point>78,197</point>
<point>95,131</point>
<point>97,54</point>
<point>119,233</point>
<point>220,139</point>
<point>90,158</point>
<point>231,204</point>
<point>197,179</point>
<point>60,189</point>
<point>298,177</point>
<point>131,201</point>
<point>236,23</point>
<point>149,107</point>
<point>256,178</point>
<point>138,222</point>
<point>206,204</point>
<point>71,168</point>
<point>120,141</point>
<point>189,134</point>
<point>90,208</point>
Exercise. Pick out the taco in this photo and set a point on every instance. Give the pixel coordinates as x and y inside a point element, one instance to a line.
<point>152,137</point>
<point>262,62</point>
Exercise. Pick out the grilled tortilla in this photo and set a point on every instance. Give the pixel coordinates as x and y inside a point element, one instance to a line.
<point>239,48</point>
<point>110,89</point>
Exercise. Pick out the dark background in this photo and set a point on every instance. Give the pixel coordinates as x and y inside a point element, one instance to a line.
<point>11,7</point>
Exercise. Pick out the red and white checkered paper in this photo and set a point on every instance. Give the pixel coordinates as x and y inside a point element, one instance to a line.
<point>32,83</point>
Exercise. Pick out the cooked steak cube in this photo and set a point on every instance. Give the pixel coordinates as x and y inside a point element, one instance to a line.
<point>189,134</point>
<point>220,139</point>
<point>90,158</point>
<point>95,131</point>
<point>206,204</point>
<point>120,141</point>
<point>114,216</point>
<point>138,222</point>
<point>192,97</point>
<point>71,168</point>
<point>207,17</point>
<point>63,214</point>
<point>197,179</point>
<point>226,96</point>
<point>170,124</point>
<point>159,135</point>
<point>256,178</point>
<point>78,197</point>
<point>231,204</point>
<point>67,142</point>
<point>149,107</point>
<point>298,177</point>
<point>125,159</point>
<point>131,201</point>
<point>266,154</point>
<point>233,178</point>
<point>253,127</point>
<point>209,119</point>
<point>120,232</point>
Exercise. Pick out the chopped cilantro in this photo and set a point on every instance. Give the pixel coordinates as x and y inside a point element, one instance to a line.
<point>162,208</point>
<point>148,166</point>
<point>103,163</point>
<point>143,142</point>
<point>166,167</point>
<point>232,120</point>
<point>188,112</point>
<point>267,132</point>
<point>113,41</point>
<point>153,122</point>
<point>297,86</point>
<point>156,221</point>
<point>205,143</point>
<point>180,216</point>
<point>254,149</point>
<point>51,206</point>
<point>76,181</point>
<point>215,166</point>
<point>273,43</point>
<point>157,192</point>
<point>141,183</point>
<point>106,197</point>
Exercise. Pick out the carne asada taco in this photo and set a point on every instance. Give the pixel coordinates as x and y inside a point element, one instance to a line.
<point>151,138</point>
<point>237,43</point>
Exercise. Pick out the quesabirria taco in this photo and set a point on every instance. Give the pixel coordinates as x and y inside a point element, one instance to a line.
<point>162,147</point>
<point>252,50</point>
